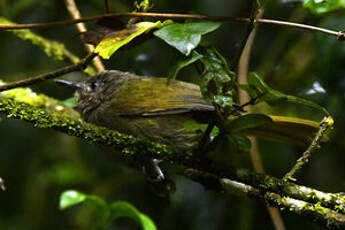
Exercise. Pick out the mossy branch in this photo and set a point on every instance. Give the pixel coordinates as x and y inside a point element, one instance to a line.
<point>45,112</point>
<point>53,49</point>
<point>327,217</point>
<point>323,208</point>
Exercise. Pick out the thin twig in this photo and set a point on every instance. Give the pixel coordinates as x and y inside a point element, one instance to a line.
<point>43,77</point>
<point>81,27</point>
<point>339,34</point>
<point>324,125</point>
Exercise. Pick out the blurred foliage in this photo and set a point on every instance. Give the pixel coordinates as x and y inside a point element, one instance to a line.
<point>38,165</point>
<point>105,213</point>
<point>324,6</point>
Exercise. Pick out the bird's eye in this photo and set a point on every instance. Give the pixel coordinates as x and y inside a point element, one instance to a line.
<point>94,85</point>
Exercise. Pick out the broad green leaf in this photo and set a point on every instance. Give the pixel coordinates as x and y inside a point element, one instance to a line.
<point>218,83</point>
<point>72,197</point>
<point>258,88</point>
<point>113,41</point>
<point>239,143</point>
<point>246,122</point>
<point>124,209</point>
<point>323,6</point>
<point>106,214</point>
<point>180,64</point>
<point>185,37</point>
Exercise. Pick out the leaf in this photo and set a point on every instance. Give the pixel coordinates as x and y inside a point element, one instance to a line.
<point>115,40</point>
<point>180,64</point>
<point>124,209</point>
<point>185,37</point>
<point>106,213</point>
<point>143,6</point>
<point>258,88</point>
<point>246,122</point>
<point>218,83</point>
<point>323,6</point>
<point>71,198</point>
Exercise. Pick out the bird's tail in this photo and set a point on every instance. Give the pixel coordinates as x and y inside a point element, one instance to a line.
<point>281,128</point>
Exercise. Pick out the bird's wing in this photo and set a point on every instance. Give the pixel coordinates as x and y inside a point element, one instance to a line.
<point>154,96</point>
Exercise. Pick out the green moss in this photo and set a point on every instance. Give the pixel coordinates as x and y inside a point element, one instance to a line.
<point>34,111</point>
<point>27,96</point>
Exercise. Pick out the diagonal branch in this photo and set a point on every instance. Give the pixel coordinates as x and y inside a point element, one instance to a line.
<point>54,74</point>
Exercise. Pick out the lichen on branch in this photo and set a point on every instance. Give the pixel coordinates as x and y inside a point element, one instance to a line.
<point>45,112</point>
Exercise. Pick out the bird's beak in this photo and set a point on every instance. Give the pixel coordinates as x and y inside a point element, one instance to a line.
<point>70,84</point>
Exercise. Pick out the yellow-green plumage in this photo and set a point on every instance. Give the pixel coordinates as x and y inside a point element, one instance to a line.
<point>149,96</point>
<point>153,109</point>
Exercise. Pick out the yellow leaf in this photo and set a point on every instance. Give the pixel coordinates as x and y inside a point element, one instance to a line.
<point>115,40</point>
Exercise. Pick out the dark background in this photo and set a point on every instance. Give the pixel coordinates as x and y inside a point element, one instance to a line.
<point>39,164</point>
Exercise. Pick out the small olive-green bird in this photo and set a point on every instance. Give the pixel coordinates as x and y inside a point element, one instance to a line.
<point>152,109</point>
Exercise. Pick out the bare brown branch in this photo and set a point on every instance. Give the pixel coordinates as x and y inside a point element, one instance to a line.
<point>81,27</point>
<point>339,34</point>
<point>43,77</point>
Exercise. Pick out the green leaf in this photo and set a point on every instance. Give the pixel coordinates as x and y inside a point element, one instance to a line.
<point>116,40</point>
<point>124,209</point>
<point>71,198</point>
<point>246,122</point>
<point>180,64</point>
<point>143,6</point>
<point>106,213</point>
<point>258,88</point>
<point>239,143</point>
<point>218,83</point>
<point>323,6</point>
<point>185,37</point>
